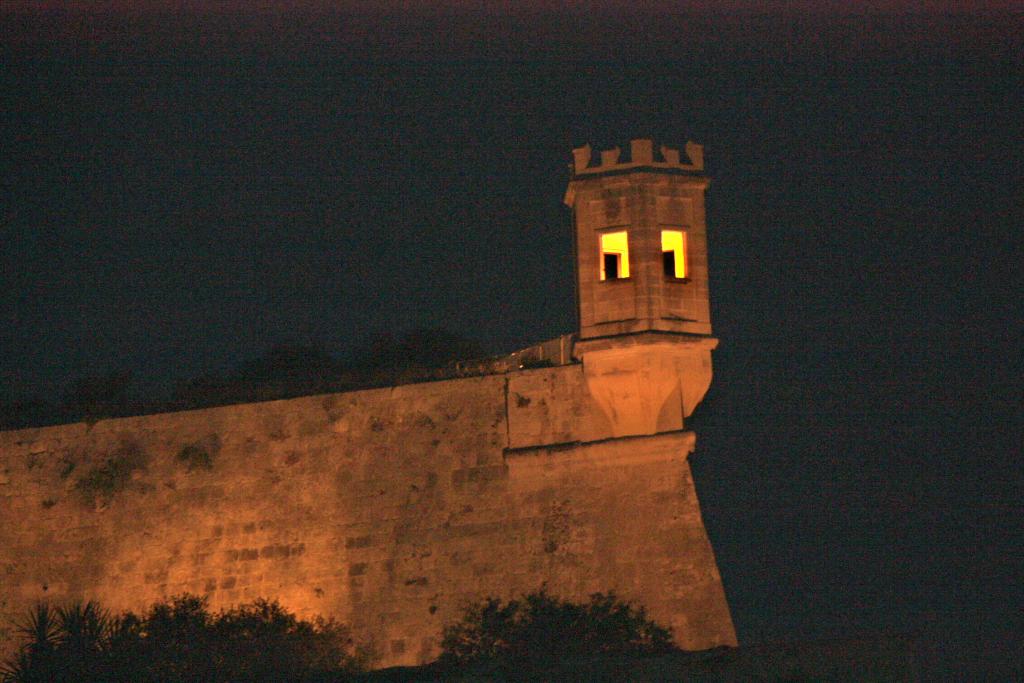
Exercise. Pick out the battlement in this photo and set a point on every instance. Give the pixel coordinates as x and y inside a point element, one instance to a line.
<point>640,237</point>
<point>561,466</point>
<point>641,154</point>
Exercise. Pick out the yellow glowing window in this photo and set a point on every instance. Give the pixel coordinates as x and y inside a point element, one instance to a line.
<point>673,253</point>
<point>614,256</point>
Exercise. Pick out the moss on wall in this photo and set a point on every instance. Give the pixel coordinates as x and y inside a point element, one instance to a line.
<point>105,480</point>
<point>389,509</point>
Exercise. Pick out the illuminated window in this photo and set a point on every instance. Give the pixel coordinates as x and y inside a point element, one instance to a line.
<point>673,253</point>
<point>614,256</point>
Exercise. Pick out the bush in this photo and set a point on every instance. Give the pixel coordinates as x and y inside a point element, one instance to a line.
<point>540,629</point>
<point>180,640</point>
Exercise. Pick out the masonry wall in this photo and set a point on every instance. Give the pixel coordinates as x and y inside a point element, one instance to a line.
<point>390,509</point>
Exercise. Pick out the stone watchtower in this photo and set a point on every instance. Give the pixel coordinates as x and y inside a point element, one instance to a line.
<point>642,283</point>
<point>392,509</point>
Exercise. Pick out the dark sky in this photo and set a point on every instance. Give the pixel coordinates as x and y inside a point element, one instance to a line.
<point>181,191</point>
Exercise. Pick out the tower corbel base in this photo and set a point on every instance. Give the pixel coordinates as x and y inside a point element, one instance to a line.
<point>647,383</point>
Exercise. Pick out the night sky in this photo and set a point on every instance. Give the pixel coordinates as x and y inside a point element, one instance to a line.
<point>182,191</point>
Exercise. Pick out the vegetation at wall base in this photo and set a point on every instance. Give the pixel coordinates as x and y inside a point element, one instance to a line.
<point>181,640</point>
<point>539,629</point>
<point>178,641</point>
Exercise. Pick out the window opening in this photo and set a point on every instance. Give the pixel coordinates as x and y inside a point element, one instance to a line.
<point>611,266</point>
<point>673,253</point>
<point>614,256</point>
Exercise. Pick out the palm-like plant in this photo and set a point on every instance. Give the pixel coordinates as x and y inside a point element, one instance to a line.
<point>178,641</point>
<point>62,644</point>
<point>35,660</point>
<point>17,669</point>
<point>42,628</point>
<point>84,632</point>
<point>83,628</point>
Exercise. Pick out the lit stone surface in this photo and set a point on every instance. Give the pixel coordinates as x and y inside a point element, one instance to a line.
<point>643,197</point>
<point>393,509</point>
<point>390,509</point>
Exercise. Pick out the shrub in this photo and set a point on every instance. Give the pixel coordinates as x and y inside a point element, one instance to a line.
<point>539,629</point>
<point>262,641</point>
<point>180,640</point>
<point>62,644</point>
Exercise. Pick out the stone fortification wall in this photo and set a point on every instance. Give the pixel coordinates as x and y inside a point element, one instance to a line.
<point>390,509</point>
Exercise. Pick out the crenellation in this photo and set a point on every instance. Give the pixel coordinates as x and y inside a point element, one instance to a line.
<point>394,508</point>
<point>610,157</point>
<point>641,152</point>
